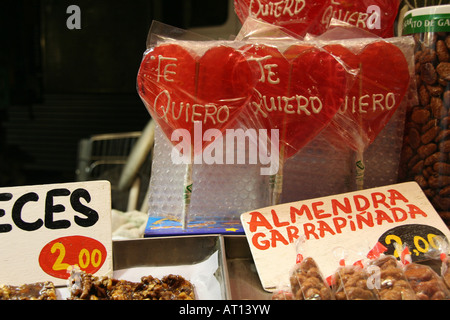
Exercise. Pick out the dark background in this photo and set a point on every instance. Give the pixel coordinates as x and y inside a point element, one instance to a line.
<point>58,86</point>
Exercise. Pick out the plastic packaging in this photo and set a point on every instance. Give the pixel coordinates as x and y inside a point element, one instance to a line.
<point>392,282</point>
<point>440,251</point>
<point>296,17</point>
<point>243,187</point>
<point>190,85</point>
<point>282,293</point>
<point>385,71</point>
<point>300,17</point>
<point>194,90</point>
<point>299,92</point>
<point>301,88</point>
<point>307,282</point>
<point>426,147</point>
<point>445,270</point>
<point>374,16</point>
<point>425,282</point>
<point>352,283</point>
<point>382,82</point>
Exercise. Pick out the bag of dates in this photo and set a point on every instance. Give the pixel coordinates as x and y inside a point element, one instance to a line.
<point>426,146</point>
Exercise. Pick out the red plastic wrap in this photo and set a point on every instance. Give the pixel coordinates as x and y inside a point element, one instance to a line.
<point>382,81</point>
<point>300,17</point>
<point>296,16</point>
<point>298,93</point>
<point>375,16</point>
<point>180,87</point>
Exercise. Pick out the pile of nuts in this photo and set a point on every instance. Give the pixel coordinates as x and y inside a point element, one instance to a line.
<point>85,286</point>
<point>426,148</point>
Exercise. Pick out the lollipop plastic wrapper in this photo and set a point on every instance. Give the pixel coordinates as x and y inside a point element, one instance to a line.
<point>444,249</point>
<point>299,91</point>
<point>315,16</point>
<point>294,17</point>
<point>385,76</point>
<point>191,88</point>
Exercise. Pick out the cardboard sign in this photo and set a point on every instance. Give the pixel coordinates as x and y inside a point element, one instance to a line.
<point>346,226</point>
<point>46,229</point>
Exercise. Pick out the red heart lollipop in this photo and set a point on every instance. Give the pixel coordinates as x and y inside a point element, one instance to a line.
<point>299,96</point>
<point>295,16</point>
<point>379,88</point>
<point>375,16</point>
<point>180,89</point>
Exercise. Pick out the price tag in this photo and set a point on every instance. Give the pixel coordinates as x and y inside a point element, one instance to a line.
<point>46,230</point>
<point>344,227</point>
<point>418,238</point>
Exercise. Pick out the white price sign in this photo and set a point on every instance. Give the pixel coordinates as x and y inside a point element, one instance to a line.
<point>46,229</point>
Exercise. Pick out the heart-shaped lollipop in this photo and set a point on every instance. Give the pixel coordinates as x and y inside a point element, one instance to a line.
<point>296,16</point>
<point>375,16</point>
<point>378,90</point>
<point>180,88</point>
<point>298,92</point>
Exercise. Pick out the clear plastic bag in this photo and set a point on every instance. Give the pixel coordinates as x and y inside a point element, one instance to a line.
<point>308,283</point>
<point>425,282</point>
<point>392,283</point>
<point>283,292</point>
<point>352,283</point>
